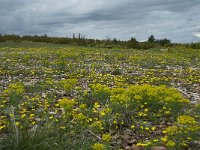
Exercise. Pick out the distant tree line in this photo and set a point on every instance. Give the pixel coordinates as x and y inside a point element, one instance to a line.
<point>79,40</point>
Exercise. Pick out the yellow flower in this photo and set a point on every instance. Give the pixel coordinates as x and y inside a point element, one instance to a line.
<point>146,128</point>
<point>186,120</point>
<point>3,117</point>
<point>1,127</point>
<point>155,140</point>
<point>17,88</point>
<point>17,123</point>
<point>97,125</point>
<point>11,115</point>
<point>102,113</point>
<point>142,144</point>
<point>57,105</point>
<point>105,111</point>
<point>4,101</point>
<point>189,138</point>
<point>170,143</point>
<point>96,105</point>
<point>171,129</point>
<point>33,122</point>
<point>149,143</point>
<point>137,97</point>
<point>144,115</point>
<point>106,137</point>
<point>94,110</point>
<point>23,116</point>
<point>79,117</point>
<point>140,114</point>
<point>132,127</point>
<point>62,127</point>
<point>164,139</point>
<point>120,99</point>
<point>32,115</point>
<point>184,144</point>
<point>66,103</point>
<point>167,112</point>
<point>98,146</point>
<point>82,106</point>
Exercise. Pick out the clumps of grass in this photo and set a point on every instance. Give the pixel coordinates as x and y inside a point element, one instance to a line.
<point>109,99</point>
<point>93,121</point>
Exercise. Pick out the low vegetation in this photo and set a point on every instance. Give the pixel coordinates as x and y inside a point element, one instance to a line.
<point>94,98</point>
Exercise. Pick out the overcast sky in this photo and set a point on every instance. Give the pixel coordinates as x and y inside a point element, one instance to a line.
<point>178,20</point>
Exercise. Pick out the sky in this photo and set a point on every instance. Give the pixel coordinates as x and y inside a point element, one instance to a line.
<point>177,20</point>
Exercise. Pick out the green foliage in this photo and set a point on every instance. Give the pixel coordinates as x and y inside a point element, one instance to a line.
<point>164,42</point>
<point>100,92</point>
<point>93,98</point>
<point>151,39</point>
<point>14,93</point>
<point>80,40</point>
<point>68,85</point>
<point>184,130</point>
<point>133,43</point>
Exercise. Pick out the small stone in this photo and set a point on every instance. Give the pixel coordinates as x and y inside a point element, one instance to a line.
<point>194,102</point>
<point>116,136</point>
<point>127,148</point>
<point>158,148</point>
<point>131,141</point>
<point>33,129</point>
<point>125,137</point>
<point>38,119</point>
<point>44,95</point>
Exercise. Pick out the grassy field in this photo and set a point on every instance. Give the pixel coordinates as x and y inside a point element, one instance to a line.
<point>59,97</point>
<point>28,44</point>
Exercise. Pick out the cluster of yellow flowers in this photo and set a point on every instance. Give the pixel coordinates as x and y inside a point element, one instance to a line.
<point>98,146</point>
<point>16,88</point>
<point>106,137</point>
<point>103,91</point>
<point>186,120</point>
<point>184,128</point>
<point>66,103</point>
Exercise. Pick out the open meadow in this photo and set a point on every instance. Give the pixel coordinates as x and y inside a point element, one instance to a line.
<point>97,98</point>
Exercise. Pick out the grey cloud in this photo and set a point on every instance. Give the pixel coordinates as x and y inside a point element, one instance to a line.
<point>174,19</point>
